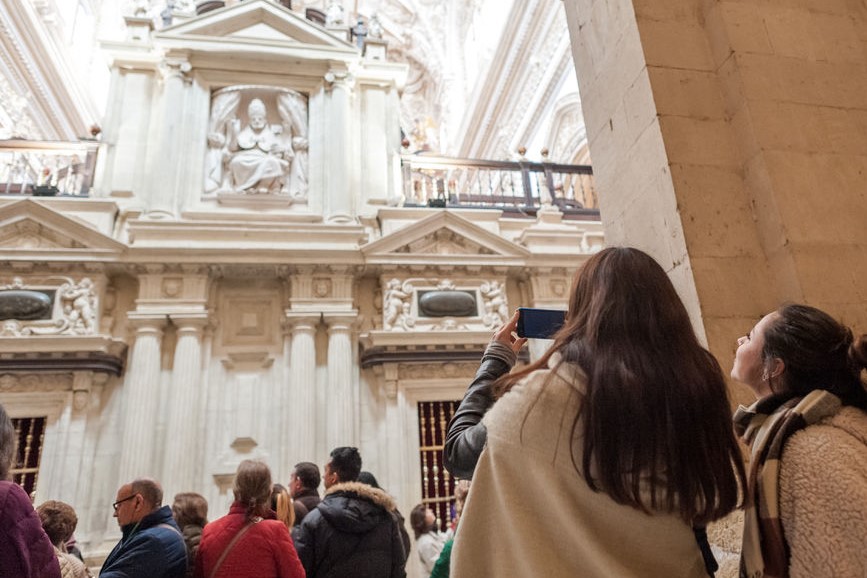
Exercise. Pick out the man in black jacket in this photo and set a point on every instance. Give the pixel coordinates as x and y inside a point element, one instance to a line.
<point>352,532</point>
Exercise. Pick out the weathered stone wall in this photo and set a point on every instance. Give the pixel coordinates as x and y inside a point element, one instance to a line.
<point>729,141</point>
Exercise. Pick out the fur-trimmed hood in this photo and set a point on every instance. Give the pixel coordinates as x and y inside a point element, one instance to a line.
<point>356,508</point>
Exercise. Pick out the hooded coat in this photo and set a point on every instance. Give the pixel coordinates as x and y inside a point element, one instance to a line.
<point>352,532</point>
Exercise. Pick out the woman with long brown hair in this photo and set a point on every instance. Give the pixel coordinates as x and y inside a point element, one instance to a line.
<point>608,455</point>
<point>248,542</point>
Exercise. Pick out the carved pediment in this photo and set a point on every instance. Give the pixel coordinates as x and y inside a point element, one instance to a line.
<point>33,228</point>
<point>444,238</point>
<point>444,242</point>
<point>255,21</point>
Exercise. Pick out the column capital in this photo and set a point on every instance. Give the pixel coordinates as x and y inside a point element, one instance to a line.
<point>340,320</point>
<point>190,322</point>
<point>147,322</point>
<point>300,321</point>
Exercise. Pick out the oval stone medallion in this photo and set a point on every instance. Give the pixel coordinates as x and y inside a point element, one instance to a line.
<point>447,304</point>
<point>24,305</point>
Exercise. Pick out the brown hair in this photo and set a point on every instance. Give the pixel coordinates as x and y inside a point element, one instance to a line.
<point>190,508</point>
<point>58,520</point>
<point>418,521</point>
<point>818,353</point>
<point>281,503</point>
<point>655,422</point>
<point>253,487</point>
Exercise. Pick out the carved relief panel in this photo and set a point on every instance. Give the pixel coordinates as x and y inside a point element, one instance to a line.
<point>432,304</point>
<point>49,306</point>
<point>257,143</point>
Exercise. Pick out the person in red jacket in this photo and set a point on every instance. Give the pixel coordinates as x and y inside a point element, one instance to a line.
<point>248,542</point>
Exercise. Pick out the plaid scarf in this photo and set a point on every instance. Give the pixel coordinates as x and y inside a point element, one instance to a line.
<point>766,426</point>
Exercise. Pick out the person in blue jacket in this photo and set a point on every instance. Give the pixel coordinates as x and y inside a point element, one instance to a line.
<point>152,545</point>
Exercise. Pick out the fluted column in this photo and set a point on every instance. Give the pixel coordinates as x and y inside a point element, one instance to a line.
<point>341,398</point>
<point>141,398</point>
<point>180,457</point>
<point>299,433</point>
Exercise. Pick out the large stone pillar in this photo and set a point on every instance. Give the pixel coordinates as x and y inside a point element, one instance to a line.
<point>141,393</point>
<point>727,140</point>
<point>299,434</point>
<point>180,456</point>
<point>341,395</point>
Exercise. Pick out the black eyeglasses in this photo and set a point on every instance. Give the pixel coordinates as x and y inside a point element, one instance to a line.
<point>119,502</point>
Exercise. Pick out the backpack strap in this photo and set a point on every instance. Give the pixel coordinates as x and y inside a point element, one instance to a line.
<point>232,544</point>
<point>710,563</point>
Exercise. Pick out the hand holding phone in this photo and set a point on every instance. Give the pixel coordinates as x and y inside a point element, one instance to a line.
<point>539,323</point>
<point>506,334</point>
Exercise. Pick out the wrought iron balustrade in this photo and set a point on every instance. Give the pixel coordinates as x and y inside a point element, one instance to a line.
<point>518,186</point>
<point>47,168</point>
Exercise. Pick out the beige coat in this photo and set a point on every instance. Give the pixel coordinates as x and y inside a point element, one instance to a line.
<point>823,497</point>
<point>529,513</point>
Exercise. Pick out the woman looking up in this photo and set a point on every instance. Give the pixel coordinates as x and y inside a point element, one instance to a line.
<point>808,437</point>
<point>600,458</point>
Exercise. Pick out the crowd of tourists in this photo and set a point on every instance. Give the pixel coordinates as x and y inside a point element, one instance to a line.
<point>608,456</point>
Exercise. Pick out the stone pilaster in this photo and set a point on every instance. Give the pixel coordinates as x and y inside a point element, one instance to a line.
<point>180,457</point>
<point>299,433</point>
<point>339,197</point>
<point>341,394</point>
<point>141,398</point>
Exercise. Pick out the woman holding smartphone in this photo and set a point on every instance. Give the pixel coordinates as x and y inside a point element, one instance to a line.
<point>608,455</point>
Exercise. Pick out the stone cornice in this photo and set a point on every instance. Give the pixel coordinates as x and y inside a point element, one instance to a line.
<point>100,353</point>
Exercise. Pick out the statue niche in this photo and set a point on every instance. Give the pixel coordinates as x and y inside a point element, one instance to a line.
<point>247,153</point>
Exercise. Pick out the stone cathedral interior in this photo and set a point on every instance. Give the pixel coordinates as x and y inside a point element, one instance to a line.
<point>264,229</point>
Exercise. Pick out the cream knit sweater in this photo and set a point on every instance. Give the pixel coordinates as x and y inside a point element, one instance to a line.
<point>529,513</point>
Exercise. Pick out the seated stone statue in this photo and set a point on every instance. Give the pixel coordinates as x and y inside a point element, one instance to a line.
<point>257,157</point>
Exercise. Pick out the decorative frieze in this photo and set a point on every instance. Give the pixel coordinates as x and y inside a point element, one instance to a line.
<point>42,382</point>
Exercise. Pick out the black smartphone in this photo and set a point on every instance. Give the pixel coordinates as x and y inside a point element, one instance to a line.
<point>539,323</point>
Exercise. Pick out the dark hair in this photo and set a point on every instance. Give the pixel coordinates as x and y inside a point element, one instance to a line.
<point>190,508</point>
<point>308,473</point>
<point>418,521</point>
<point>8,441</point>
<point>369,479</point>
<point>346,463</point>
<point>58,520</point>
<point>655,422</point>
<point>253,488</point>
<point>818,353</point>
<point>150,490</point>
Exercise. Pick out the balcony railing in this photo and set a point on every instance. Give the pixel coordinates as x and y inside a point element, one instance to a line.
<point>520,186</point>
<point>47,168</point>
